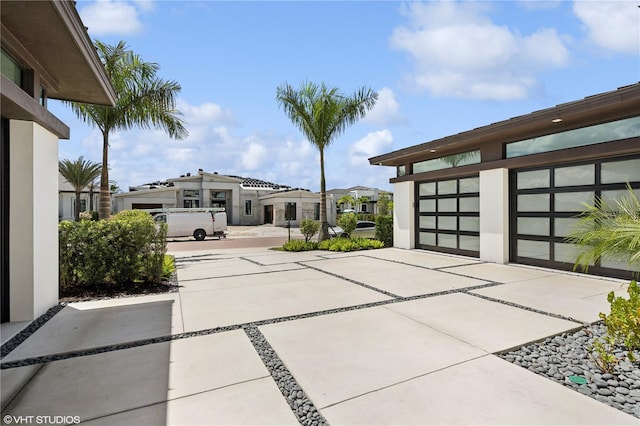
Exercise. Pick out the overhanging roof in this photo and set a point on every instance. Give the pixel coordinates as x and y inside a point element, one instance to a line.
<point>615,105</point>
<point>51,36</point>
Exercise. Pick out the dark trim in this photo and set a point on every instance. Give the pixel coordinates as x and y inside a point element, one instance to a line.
<point>5,313</point>
<point>596,109</point>
<point>583,153</point>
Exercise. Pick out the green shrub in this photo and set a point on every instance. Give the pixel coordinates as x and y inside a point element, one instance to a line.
<point>623,323</point>
<point>349,244</point>
<point>384,229</point>
<point>168,267</point>
<point>299,245</point>
<point>309,228</point>
<point>129,247</point>
<point>348,222</point>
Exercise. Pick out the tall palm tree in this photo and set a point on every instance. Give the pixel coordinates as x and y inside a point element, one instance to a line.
<point>322,114</point>
<point>80,174</point>
<point>144,101</point>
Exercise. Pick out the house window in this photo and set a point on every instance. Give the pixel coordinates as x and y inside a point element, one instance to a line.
<point>290,211</point>
<point>316,211</point>
<point>607,132</point>
<point>191,198</point>
<point>11,69</point>
<point>248,210</point>
<point>83,205</point>
<point>447,162</point>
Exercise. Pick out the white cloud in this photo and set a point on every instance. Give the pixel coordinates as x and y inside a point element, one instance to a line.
<point>203,114</point>
<point>457,51</point>
<point>254,157</point>
<point>372,144</point>
<point>110,17</point>
<point>386,111</point>
<point>612,25</point>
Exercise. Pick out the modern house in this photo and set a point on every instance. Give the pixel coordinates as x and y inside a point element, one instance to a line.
<point>247,201</point>
<point>359,192</point>
<point>46,53</point>
<point>511,191</point>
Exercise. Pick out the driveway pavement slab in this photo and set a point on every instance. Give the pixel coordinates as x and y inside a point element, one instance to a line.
<point>258,402</point>
<point>487,325</point>
<point>278,257</point>
<point>312,291</point>
<point>563,294</point>
<point>13,380</point>
<point>411,281</point>
<point>112,382</point>
<point>421,258</point>
<point>341,356</point>
<point>500,273</point>
<point>249,280</point>
<point>88,325</point>
<point>217,268</point>
<point>483,391</point>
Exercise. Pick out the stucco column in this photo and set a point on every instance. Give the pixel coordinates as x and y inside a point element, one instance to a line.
<point>494,215</point>
<point>404,230</point>
<point>33,218</point>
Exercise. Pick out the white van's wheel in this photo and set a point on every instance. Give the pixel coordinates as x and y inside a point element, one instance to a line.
<point>199,234</point>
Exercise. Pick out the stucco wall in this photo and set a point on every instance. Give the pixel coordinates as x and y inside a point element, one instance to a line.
<point>404,215</point>
<point>494,215</point>
<point>34,220</point>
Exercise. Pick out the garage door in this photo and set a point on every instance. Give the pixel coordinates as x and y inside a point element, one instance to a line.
<point>447,217</point>
<point>545,204</point>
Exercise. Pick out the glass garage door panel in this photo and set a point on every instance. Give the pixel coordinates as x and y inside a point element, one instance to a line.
<point>546,203</point>
<point>448,215</point>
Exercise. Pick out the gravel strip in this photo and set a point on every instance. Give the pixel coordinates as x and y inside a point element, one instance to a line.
<point>300,404</point>
<point>566,356</point>
<point>23,335</point>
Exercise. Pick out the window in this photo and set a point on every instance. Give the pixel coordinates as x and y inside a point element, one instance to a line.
<point>11,69</point>
<point>402,170</point>
<point>83,205</point>
<point>447,162</point>
<point>448,217</point>
<point>191,204</point>
<point>316,211</point>
<point>248,211</point>
<point>191,193</point>
<point>191,198</point>
<point>218,195</point>
<point>290,211</point>
<point>607,132</point>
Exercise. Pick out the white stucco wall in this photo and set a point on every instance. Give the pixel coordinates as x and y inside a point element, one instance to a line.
<point>494,215</point>
<point>404,215</point>
<point>34,220</point>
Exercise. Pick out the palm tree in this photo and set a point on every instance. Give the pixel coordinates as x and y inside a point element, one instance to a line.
<point>347,199</point>
<point>322,114</point>
<point>609,231</point>
<point>144,101</point>
<point>80,174</point>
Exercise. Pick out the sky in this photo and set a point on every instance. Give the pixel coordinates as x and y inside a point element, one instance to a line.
<point>439,68</point>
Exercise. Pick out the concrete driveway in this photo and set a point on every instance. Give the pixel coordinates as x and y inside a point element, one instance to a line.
<point>256,336</point>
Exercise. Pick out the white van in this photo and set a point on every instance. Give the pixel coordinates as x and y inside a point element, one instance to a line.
<point>200,224</point>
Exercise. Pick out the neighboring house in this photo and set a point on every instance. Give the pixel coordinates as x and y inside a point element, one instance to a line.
<point>46,53</point>
<point>241,198</point>
<point>291,206</point>
<point>373,194</point>
<point>67,199</point>
<point>511,191</point>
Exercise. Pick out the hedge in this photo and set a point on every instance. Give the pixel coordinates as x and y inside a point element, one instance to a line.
<point>130,247</point>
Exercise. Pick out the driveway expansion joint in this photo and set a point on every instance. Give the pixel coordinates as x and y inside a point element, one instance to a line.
<point>300,404</point>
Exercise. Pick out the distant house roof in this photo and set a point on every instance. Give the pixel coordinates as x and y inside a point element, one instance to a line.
<point>245,182</point>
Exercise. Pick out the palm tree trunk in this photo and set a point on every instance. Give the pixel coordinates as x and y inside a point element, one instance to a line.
<point>77,209</point>
<point>324,225</point>
<point>104,202</point>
